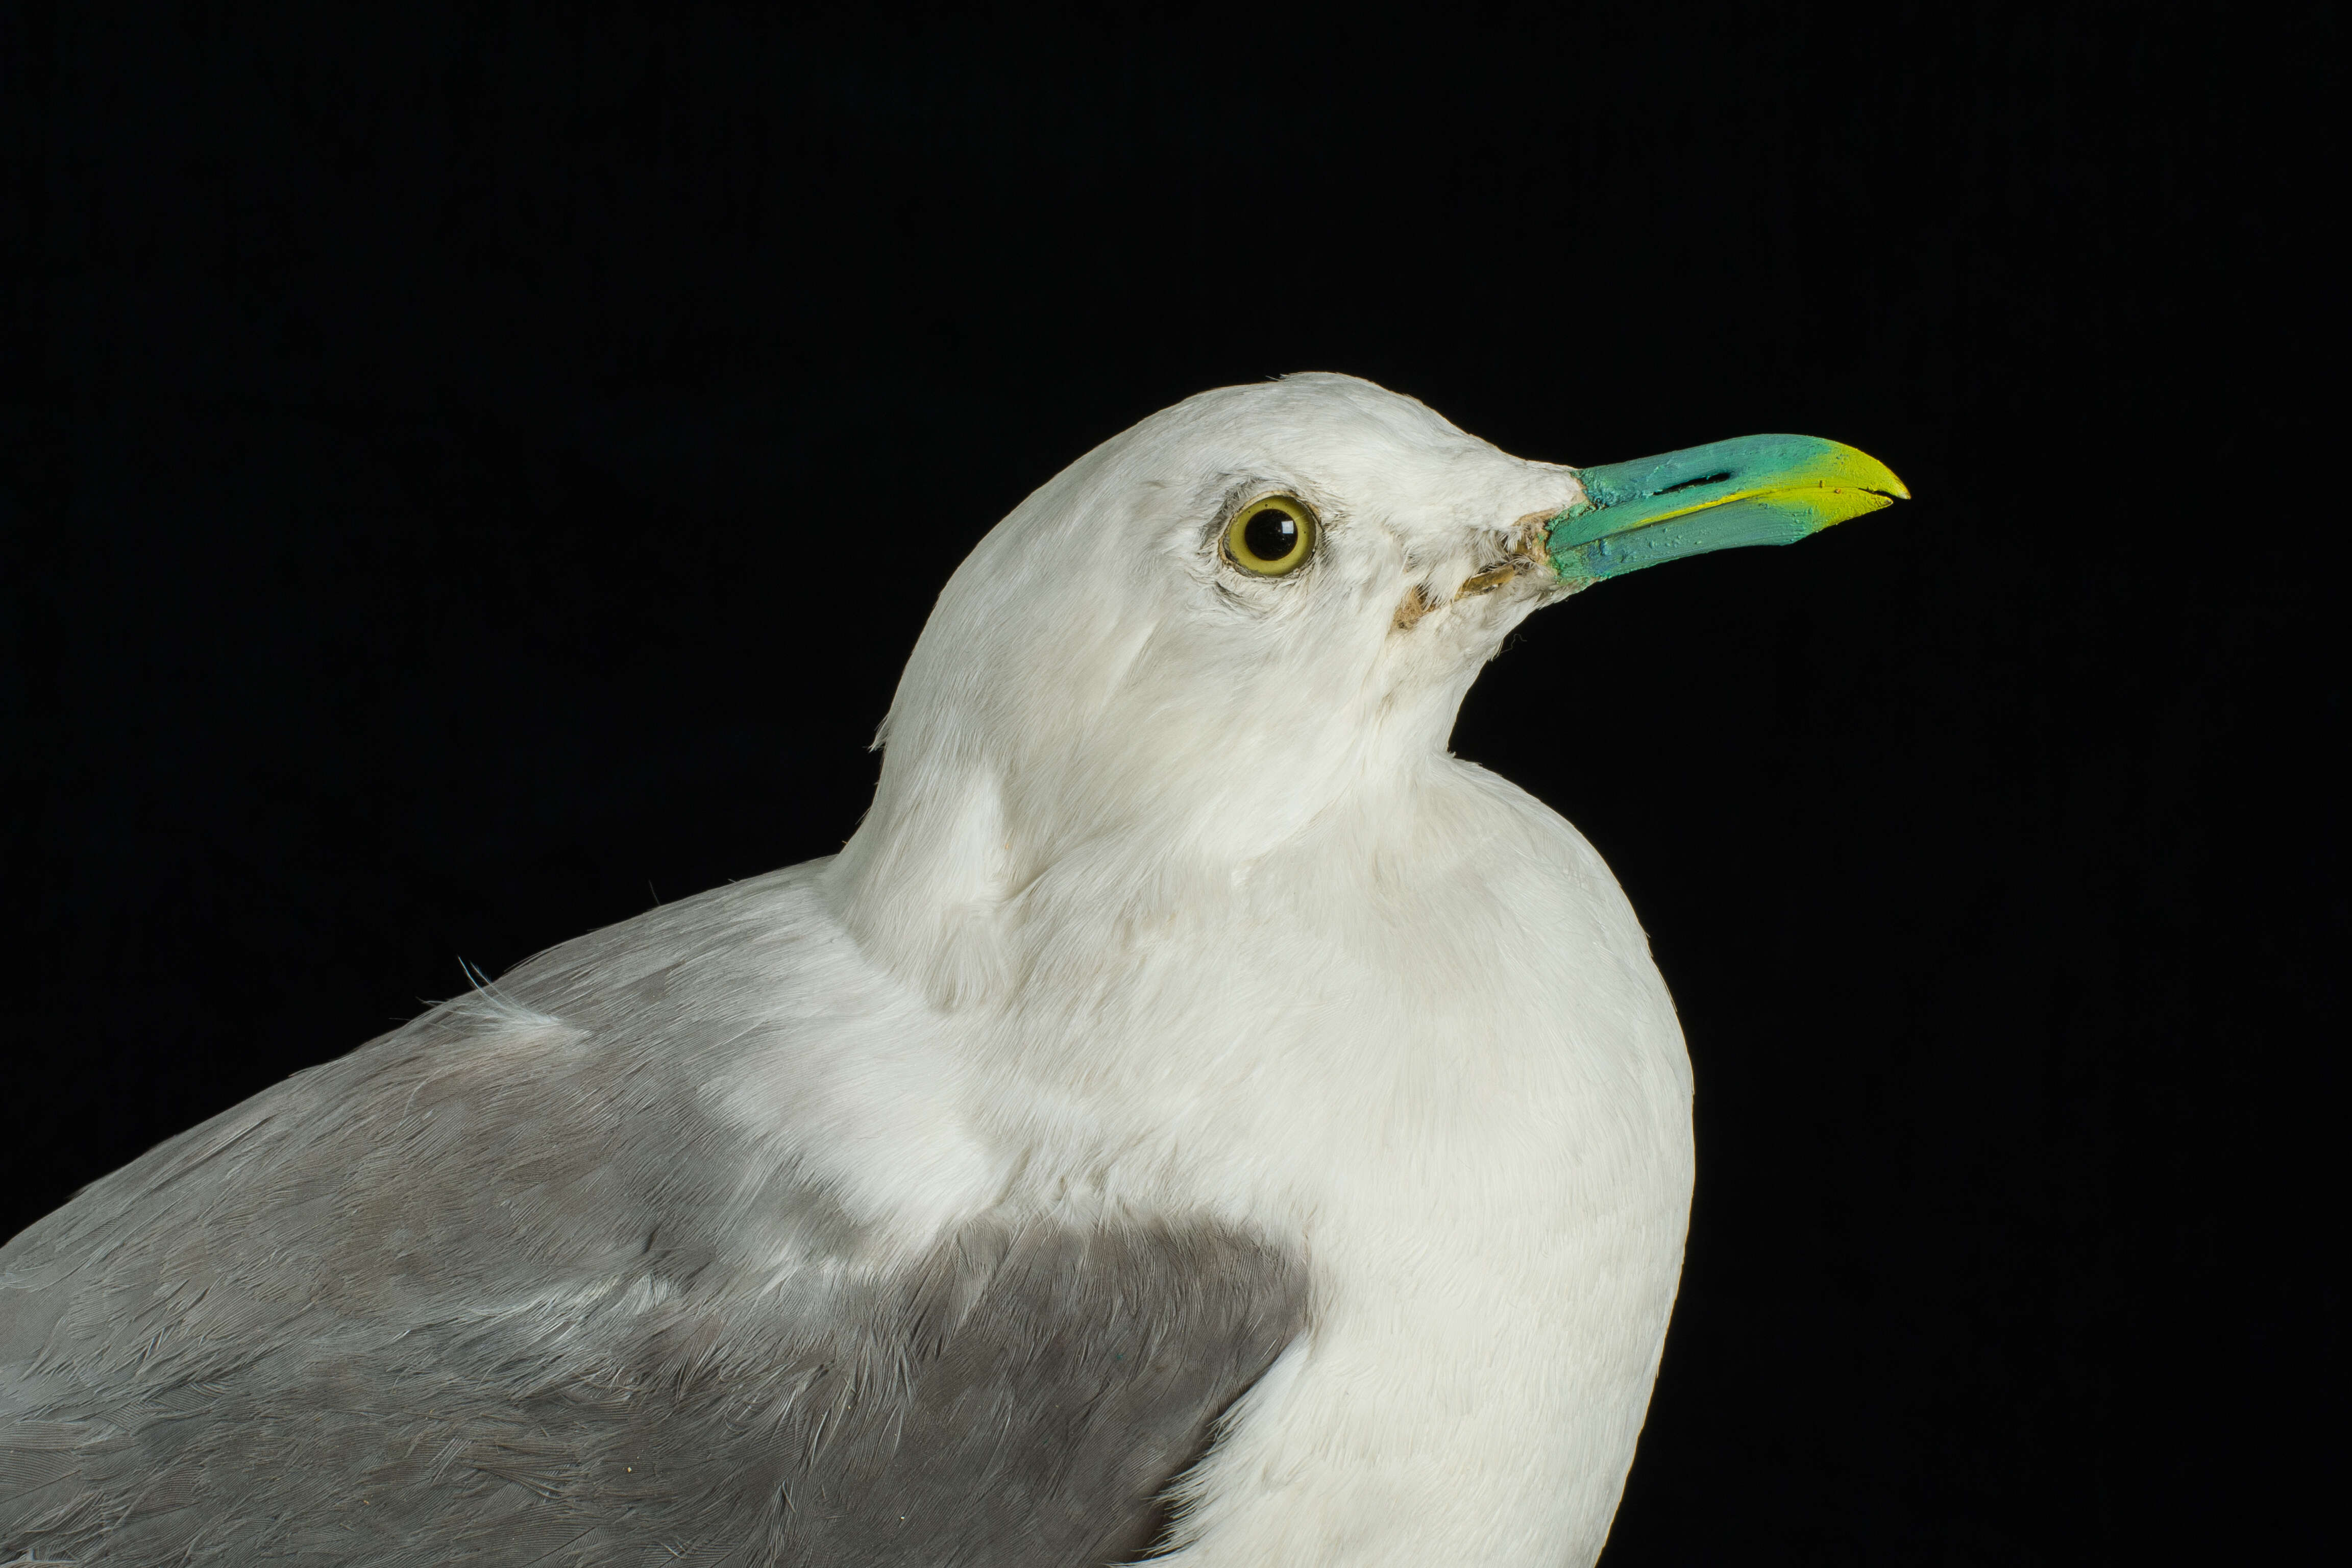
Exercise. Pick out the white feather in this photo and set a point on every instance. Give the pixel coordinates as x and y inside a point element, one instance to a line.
<point>1172,901</point>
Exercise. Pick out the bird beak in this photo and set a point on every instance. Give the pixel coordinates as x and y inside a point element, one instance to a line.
<point>1751,490</point>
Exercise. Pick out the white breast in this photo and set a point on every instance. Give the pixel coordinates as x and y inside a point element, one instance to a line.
<point>1451,1076</point>
<point>1455,1079</point>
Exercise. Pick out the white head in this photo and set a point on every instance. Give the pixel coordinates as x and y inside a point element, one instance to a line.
<point>1106,671</point>
<point>1111,679</point>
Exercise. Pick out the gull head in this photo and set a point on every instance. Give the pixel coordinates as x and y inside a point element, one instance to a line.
<point>1248,613</point>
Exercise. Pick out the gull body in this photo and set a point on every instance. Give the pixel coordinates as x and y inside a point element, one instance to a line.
<point>1193,1108</point>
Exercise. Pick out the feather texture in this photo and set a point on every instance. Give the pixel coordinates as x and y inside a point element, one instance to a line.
<point>1185,1045</point>
<point>480,1292</point>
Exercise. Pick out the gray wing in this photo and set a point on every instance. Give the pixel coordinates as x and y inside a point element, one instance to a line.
<point>480,1293</point>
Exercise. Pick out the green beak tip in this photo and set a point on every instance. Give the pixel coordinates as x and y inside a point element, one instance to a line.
<point>1751,490</point>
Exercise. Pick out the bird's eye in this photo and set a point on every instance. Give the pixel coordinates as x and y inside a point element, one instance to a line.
<point>1272,536</point>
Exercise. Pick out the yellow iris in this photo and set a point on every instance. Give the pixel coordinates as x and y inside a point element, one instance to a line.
<point>1272,536</point>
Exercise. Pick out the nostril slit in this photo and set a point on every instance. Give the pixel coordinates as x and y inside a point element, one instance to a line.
<point>1703,480</point>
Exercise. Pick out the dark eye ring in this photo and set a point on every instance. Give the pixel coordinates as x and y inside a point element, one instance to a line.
<point>1272,536</point>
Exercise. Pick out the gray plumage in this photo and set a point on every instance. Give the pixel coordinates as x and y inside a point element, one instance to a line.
<point>487,1290</point>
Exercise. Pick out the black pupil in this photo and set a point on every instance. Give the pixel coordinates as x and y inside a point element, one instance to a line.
<point>1270,535</point>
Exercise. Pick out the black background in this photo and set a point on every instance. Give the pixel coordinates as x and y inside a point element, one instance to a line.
<point>469,475</point>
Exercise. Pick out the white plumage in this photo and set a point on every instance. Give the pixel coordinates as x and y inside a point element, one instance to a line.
<point>1214,923</point>
<point>1186,1046</point>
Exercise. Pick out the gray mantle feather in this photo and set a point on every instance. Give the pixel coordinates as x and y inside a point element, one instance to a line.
<point>485,1291</point>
